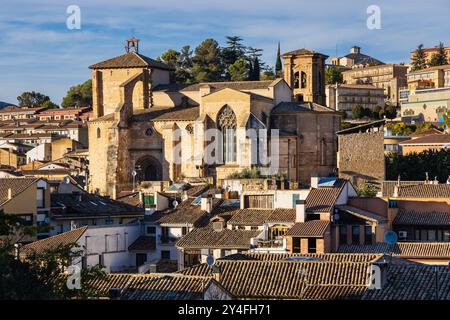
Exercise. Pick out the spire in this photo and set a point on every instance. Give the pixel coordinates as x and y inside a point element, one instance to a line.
<point>278,65</point>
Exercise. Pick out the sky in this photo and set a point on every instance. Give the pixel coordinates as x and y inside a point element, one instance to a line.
<point>39,52</point>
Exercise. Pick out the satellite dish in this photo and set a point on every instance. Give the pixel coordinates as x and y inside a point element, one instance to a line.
<point>175,203</point>
<point>390,237</point>
<point>210,261</point>
<point>134,173</point>
<point>66,180</point>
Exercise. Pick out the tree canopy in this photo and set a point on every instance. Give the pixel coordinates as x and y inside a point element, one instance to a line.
<point>439,58</point>
<point>30,99</point>
<point>333,75</point>
<point>78,96</point>
<point>418,60</point>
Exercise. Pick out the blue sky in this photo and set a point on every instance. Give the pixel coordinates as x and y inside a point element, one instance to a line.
<point>39,53</point>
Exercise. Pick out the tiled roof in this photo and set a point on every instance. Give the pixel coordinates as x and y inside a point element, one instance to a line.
<point>432,139</point>
<point>302,51</point>
<point>236,85</point>
<point>167,114</point>
<point>129,197</point>
<point>330,257</point>
<point>309,229</point>
<point>65,206</point>
<point>66,238</point>
<point>185,214</point>
<point>422,218</point>
<point>323,199</point>
<point>156,286</point>
<point>131,60</point>
<point>144,243</point>
<point>426,133</point>
<point>424,191</point>
<point>364,214</point>
<point>387,187</point>
<point>416,282</point>
<point>207,237</point>
<point>17,186</point>
<point>257,217</point>
<point>294,107</point>
<point>360,58</point>
<point>284,279</point>
<point>403,249</point>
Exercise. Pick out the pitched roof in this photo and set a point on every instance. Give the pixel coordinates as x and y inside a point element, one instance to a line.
<point>284,279</point>
<point>185,214</point>
<point>167,114</point>
<point>131,60</point>
<point>363,214</point>
<point>387,187</point>
<point>144,243</point>
<point>257,217</point>
<point>303,51</point>
<point>326,257</point>
<point>309,229</point>
<point>17,186</point>
<point>236,85</point>
<point>207,237</point>
<point>294,107</point>
<point>66,238</point>
<point>65,206</point>
<point>424,191</point>
<point>360,58</point>
<point>403,249</point>
<point>432,139</point>
<point>422,218</point>
<point>322,199</point>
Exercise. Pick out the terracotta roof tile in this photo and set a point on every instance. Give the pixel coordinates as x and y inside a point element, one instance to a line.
<point>308,229</point>
<point>65,238</point>
<point>17,186</point>
<point>144,243</point>
<point>131,60</point>
<point>167,114</point>
<point>424,191</point>
<point>387,187</point>
<point>432,139</point>
<point>236,85</point>
<point>403,249</point>
<point>422,218</point>
<point>322,199</point>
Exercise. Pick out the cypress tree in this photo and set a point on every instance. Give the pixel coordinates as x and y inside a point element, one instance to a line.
<point>418,60</point>
<point>278,65</point>
<point>440,57</point>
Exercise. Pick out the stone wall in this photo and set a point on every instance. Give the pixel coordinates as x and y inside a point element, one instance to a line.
<point>361,157</point>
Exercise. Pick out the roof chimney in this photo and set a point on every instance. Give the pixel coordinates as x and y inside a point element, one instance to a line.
<point>300,211</point>
<point>206,203</point>
<point>314,181</point>
<point>9,193</point>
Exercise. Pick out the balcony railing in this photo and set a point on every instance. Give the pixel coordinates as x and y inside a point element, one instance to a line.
<point>276,243</point>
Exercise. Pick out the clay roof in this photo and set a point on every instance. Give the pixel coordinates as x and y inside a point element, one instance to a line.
<point>129,197</point>
<point>207,237</point>
<point>327,257</point>
<point>185,214</point>
<point>360,58</point>
<point>426,132</point>
<point>131,60</point>
<point>17,186</point>
<point>294,107</point>
<point>301,52</point>
<point>422,218</point>
<point>424,191</point>
<point>144,243</point>
<point>387,187</point>
<point>257,217</point>
<point>286,279</point>
<point>236,85</point>
<point>65,206</point>
<point>432,139</point>
<point>65,238</point>
<point>309,229</point>
<point>447,66</point>
<point>167,114</point>
<point>360,213</point>
<point>403,249</point>
<point>323,199</point>
<point>363,127</point>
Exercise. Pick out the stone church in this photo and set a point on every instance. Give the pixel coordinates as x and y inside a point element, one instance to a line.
<point>139,114</point>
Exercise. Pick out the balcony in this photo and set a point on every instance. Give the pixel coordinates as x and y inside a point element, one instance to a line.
<point>165,240</point>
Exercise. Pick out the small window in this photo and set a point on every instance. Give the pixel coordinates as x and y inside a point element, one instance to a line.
<point>343,234</point>
<point>184,231</point>
<point>165,254</point>
<point>99,134</point>
<point>368,234</point>
<point>312,245</point>
<point>151,230</point>
<point>149,132</point>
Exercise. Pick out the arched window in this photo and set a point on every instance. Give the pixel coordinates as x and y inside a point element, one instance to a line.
<point>296,80</point>
<point>226,122</point>
<point>304,80</point>
<point>99,134</point>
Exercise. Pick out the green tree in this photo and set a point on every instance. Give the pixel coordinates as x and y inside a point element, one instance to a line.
<point>32,99</point>
<point>170,57</point>
<point>268,74</point>
<point>207,63</point>
<point>357,112</point>
<point>333,75</point>
<point>239,70</point>
<point>78,96</point>
<point>233,51</point>
<point>447,120</point>
<point>418,61</point>
<point>184,71</point>
<point>253,57</point>
<point>278,64</point>
<point>390,112</point>
<point>439,58</point>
